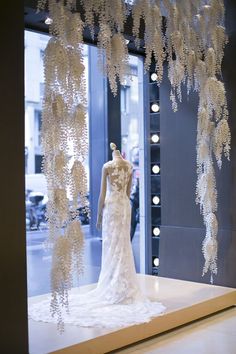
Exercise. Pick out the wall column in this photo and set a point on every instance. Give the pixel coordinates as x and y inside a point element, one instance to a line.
<point>14,332</point>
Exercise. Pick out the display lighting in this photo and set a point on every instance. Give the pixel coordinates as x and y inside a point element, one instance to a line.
<point>156,231</point>
<point>154,77</point>
<point>155,107</point>
<point>156,200</point>
<point>48,21</point>
<point>155,138</point>
<point>155,169</point>
<point>156,262</point>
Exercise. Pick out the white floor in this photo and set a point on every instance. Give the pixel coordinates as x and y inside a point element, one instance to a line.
<point>215,334</point>
<point>185,302</point>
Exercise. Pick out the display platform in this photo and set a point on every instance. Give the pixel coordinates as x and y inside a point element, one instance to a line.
<point>185,302</point>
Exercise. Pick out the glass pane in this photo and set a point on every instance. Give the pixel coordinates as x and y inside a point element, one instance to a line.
<point>38,258</point>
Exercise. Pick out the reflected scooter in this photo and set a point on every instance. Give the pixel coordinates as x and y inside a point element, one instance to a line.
<point>35,210</point>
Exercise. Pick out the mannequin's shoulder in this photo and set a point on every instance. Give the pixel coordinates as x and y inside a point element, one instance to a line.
<point>114,164</point>
<point>126,164</point>
<point>107,165</point>
<point>129,165</point>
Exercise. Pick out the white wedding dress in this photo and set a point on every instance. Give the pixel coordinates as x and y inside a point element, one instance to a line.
<point>117,300</point>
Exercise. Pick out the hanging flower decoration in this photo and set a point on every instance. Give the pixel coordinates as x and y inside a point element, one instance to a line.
<point>190,36</point>
<point>64,125</point>
<point>66,260</point>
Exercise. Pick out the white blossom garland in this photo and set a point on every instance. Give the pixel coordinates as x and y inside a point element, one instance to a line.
<point>64,124</point>
<point>191,38</point>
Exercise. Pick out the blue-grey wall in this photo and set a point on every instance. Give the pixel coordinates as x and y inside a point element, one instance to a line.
<point>97,132</point>
<point>182,229</point>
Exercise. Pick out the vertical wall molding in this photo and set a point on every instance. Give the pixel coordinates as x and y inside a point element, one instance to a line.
<point>98,132</point>
<point>14,321</point>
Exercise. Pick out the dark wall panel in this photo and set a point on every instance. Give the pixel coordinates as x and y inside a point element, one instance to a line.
<point>13,246</point>
<point>181,257</point>
<point>180,253</point>
<point>178,159</point>
<point>113,119</point>
<point>183,231</point>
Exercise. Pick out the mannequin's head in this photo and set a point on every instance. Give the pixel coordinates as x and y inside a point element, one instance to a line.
<point>115,152</point>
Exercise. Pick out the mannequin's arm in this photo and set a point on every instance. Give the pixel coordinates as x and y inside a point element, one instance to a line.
<point>128,190</point>
<point>101,198</point>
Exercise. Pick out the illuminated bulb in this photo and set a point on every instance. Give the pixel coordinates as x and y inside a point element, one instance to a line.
<point>155,169</point>
<point>154,77</point>
<point>156,231</point>
<point>127,41</point>
<point>155,138</point>
<point>155,107</point>
<point>48,21</point>
<point>156,200</point>
<point>156,262</point>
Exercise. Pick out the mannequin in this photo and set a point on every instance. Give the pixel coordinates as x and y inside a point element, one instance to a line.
<point>116,156</point>
<point>117,299</point>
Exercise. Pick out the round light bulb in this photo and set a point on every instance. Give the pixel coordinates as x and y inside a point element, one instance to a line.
<point>156,262</point>
<point>155,138</point>
<point>48,21</point>
<point>154,77</point>
<point>155,169</point>
<point>156,231</point>
<point>155,107</point>
<point>156,200</point>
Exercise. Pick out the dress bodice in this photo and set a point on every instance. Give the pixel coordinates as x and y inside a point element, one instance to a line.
<point>118,175</point>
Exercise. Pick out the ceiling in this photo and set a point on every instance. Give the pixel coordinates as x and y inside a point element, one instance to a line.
<point>32,19</point>
<point>36,22</point>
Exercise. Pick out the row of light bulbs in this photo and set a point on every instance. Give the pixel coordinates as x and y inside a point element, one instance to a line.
<point>155,169</point>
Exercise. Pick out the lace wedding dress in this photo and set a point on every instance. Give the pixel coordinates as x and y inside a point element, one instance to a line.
<point>117,300</point>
